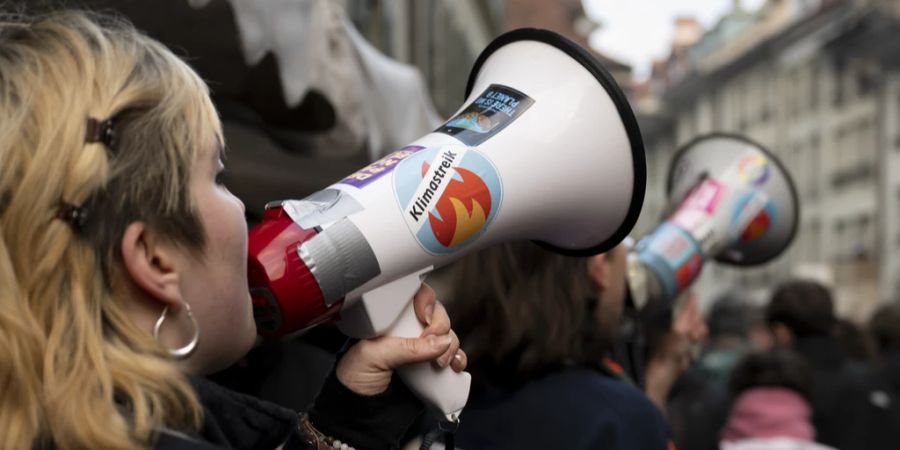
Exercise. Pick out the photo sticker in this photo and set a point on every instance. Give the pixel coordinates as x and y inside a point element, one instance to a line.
<point>705,197</point>
<point>492,111</point>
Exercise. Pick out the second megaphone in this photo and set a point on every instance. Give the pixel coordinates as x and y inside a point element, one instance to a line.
<point>730,199</point>
<point>545,148</point>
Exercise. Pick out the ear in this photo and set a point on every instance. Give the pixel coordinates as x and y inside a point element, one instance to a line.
<point>598,271</point>
<point>151,265</point>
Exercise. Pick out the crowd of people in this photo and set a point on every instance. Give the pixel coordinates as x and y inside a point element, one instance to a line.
<point>790,371</point>
<point>787,375</point>
<point>123,274</point>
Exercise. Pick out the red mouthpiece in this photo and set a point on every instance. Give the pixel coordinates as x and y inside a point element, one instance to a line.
<point>286,295</point>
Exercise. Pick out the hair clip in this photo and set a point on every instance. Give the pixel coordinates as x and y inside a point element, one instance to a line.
<point>103,132</point>
<point>75,216</point>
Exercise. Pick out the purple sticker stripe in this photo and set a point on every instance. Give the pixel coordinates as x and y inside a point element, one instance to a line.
<point>380,168</point>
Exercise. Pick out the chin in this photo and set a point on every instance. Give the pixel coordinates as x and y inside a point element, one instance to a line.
<point>247,339</point>
<point>238,347</point>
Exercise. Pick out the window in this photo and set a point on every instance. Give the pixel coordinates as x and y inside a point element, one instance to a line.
<point>838,94</point>
<point>813,171</point>
<point>841,242</point>
<point>814,87</point>
<point>815,238</point>
<point>864,247</point>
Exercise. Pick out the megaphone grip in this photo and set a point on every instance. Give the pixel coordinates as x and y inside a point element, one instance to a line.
<point>442,388</point>
<point>388,310</point>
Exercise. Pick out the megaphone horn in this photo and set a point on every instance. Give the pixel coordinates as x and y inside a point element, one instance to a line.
<point>545,148</point>
<point>731,200</point>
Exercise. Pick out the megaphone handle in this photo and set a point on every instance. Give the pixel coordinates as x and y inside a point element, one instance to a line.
<point>443,389</point>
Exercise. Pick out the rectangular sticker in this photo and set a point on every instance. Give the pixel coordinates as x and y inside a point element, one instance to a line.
<point>491,112</point>
<point>705,197</point>
<point>380,168</point>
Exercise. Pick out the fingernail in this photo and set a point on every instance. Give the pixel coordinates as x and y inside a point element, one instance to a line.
<point>446,362</point>
<point>429,311</point>
<point>439,342</point>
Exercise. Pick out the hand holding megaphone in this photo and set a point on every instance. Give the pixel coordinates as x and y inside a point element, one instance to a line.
<point>730,200</point>
<point>547,152</point>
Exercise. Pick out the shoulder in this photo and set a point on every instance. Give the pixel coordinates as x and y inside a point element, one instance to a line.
<point>619,395</point>
<point>573,408</point>
<point>235,420</point>
<point>605,398</point>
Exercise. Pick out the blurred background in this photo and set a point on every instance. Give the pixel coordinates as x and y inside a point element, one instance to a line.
<point>815,81</point>
<point>312,89</point>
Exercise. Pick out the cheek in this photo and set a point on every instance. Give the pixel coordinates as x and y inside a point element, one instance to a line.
<point>229,311</point>
<point>226,239</point>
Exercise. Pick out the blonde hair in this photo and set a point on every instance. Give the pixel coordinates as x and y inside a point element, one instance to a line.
<point>75,372</point>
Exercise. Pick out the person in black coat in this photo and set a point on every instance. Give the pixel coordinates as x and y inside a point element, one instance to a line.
<point>801,317</point>
<point>884,327</point>
<point>537,327</point>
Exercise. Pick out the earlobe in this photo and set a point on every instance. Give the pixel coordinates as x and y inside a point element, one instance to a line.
<point>150,265</point>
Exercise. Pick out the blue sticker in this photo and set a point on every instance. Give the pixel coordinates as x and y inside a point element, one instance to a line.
<point>673,255</point>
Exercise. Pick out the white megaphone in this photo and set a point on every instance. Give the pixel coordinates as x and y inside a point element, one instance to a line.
<point>545,148</point>
<point>729,199</point>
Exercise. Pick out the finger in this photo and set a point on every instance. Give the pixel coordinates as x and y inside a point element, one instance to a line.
<point>459,361</point>
<point>444,360</point>
<point>423,303</point>
<point>440,321</point>
<point>393,352</point>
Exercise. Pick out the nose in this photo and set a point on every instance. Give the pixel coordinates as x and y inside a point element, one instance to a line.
<point>243,206</point>
<point>239,202</point>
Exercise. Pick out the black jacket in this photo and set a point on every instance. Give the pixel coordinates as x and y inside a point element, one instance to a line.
<point>883,420</point>
<point>237,421</point>
<point>841,405</point>
<point>572,409</point>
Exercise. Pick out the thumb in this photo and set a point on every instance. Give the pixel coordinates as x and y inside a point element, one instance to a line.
<point>402,351</point>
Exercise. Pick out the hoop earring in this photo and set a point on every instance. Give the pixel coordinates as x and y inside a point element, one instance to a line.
<point>187,349</point>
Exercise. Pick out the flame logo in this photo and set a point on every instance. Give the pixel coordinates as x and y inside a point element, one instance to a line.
<point>462,210</point>
<point>761,223</point>
<point>757,227</point>
<point>449,196</point>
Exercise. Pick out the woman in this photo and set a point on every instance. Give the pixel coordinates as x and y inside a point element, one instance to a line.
<point>537,326</point>
<point>123,263</point>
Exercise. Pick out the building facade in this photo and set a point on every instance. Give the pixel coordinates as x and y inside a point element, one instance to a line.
<point>441,37</point>
<point>816,82</point>
<point>444,37</point>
